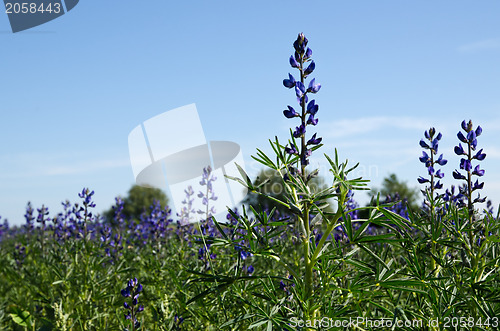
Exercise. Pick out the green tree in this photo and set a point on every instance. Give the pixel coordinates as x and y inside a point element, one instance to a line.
<point>137,201</point>
<point>392,185</point>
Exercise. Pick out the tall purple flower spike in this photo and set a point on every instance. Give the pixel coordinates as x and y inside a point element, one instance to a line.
<point>308,109</point>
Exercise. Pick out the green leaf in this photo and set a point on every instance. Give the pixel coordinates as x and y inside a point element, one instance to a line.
<point>375,256</point>
<point>495,238</point>
<point>237,319</point>
<point>219,228</point>
<point>360,264</point>
<point>20,317</point>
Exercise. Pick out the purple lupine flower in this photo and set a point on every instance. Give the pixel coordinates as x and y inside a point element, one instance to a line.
<point>42,212</point>
<point>311,120</point>
<point>397,206</point>
<point>301,56</point>
<point>178,320</point>
<point>441,161</point>
<point>423,144</point>
<point>477,185</point>
<point>465,127</point>
<point>469,137</point>
<point>465,164</point>
<point>435,144</point>
<point>291,150</point>
<point>479,155</point>
<point>207,180</point>
<point>299,131</point>
<point>424,158</point>
<point>19,254</point>
<point>489,208</point>
<point>477,171</point>
<point>308,54</point>
<point>29,217</point>
<point>293,62</point>
<point>309,69</point>
<point>422,180</point>
<point>313,87</point>
<point>431,161</point>
<point>459,150</point>
<point>314,140</point>
<point>458,175</point>
<point>290,112</point>
<point>132,291</point>
<point>187,210</point>
<point>461,137</point>
<point>86,195</point>
<point>479,199</point>
<point>300,44</point>
<point>312,107</point>
<point>290,82</point>
<point>300,89</point>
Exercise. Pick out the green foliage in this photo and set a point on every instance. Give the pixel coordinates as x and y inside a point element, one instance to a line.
<point>437,266</point>
<point>270,184</point>
<point>137,201</point>
<point>392,185</point>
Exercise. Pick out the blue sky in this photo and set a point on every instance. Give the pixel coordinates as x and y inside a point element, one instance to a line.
<point>74,88</point>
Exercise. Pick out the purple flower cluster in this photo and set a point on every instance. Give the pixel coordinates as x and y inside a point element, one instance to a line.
<point>132,291</point>
<point>28,216</point>
<point>398,206</point>
<point>187,210</point>
<point>19,254</point>
<point>112,244</point>
<point>430,161</point>
<point>286,287</point>
<point>4,228</point>
<point>301,57</point>
<point>469,155</point>
<point>207,179</point>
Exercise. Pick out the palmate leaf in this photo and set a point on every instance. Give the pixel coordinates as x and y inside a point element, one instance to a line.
<point>264,160</point>
<point>340,175</point>
<point>246,182</point>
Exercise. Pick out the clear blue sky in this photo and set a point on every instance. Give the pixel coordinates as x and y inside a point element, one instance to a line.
<point>73,89</point>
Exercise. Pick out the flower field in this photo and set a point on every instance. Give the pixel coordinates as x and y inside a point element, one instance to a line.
<point>317,265</point>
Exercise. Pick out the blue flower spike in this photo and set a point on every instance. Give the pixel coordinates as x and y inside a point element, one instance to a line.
<point>431,160</point>
<point>469,138</point>
<point>308,109</point>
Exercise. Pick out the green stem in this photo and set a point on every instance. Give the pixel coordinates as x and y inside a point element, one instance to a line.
<point>308,265</point>
<point>328,231</point>
<point>433,220</point>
